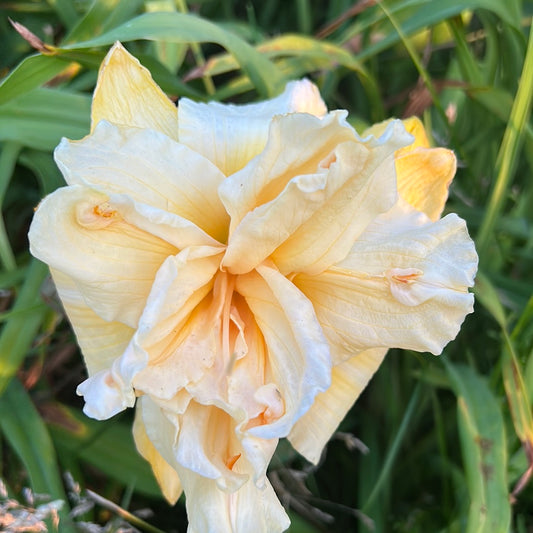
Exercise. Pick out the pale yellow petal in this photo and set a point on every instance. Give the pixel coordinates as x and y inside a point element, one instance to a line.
<point>101,342</point>
<point>248,509</point>
<point>404,287</point>
<point>113,264</point>
<point>414,126</point>
<point>348,379</point>
<point>298,354</point>
<point>165,475</point>
<point>208,446</point>
<point>231,135</point>
<point>424,175</point>
<point>151,169</point>
<point>126,94</point>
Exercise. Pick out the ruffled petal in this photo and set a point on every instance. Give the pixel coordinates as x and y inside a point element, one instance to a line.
<point>163,320</point>
<point>412,125</point>
<point>221,487</point>
<point>165,475</point>
<point>151,169</point>
<point>112,262</point>
<point>348,379</point>
<point>297,145</point>
<point>298,354</point>
<point>231,135</point>
<point>126,94</point>
<point>175,335</point>
<point>403,287</point>
<point>203,439</point>
<point>311,223</point>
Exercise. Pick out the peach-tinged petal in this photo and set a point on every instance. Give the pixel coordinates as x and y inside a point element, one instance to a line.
<point>204,440</point>
<point>348,379</point>
<point>230,135</point>
<point>310,223</point>
<point>112,263</point>
<point>167,310</point>
<point>150,168</point>
<point>166,476</point>
<point>208,446</point>
<point>298,353</point>
<point>283,158</point>
<point>367,189</point>
<point>424,175</point>
<point>222,492</point>
<point>404,289</point>
<point>269,225</point>
<point>126,94</point>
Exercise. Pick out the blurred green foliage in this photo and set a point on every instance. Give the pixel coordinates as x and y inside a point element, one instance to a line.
<point>450,439</point>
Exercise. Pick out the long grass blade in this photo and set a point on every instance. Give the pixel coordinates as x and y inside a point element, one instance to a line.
<point>509,150</point>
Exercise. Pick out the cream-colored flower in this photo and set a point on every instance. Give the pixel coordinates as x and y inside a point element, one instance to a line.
<point>238,272</point>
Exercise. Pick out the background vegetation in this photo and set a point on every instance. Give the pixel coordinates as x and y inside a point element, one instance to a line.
<point>434,444</point>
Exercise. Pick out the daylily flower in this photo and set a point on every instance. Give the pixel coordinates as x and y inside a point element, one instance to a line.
<point>237,273</point>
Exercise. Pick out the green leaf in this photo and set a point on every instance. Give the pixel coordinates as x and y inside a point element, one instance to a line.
<point>509,150</point>
<point>66,11</point>
<point>513,380</point>
<point>186,28</point>
<point>421,14</point>
<point>107,445</point>
<point>29,74</point>
<point>43,166</point>
<point>102,16</point>
<point>8,159</point>
<point>169,54</point>
<point>40,118</point>
<point>27,435</point>
<point>483,444</point>
<point>486,293</point>
<point>21,328</point>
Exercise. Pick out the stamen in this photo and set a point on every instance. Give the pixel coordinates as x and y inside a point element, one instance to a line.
<point>98,216</point>
<point>226,316</point>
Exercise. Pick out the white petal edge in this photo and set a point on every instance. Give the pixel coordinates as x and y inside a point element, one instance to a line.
<point>231,135</point>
